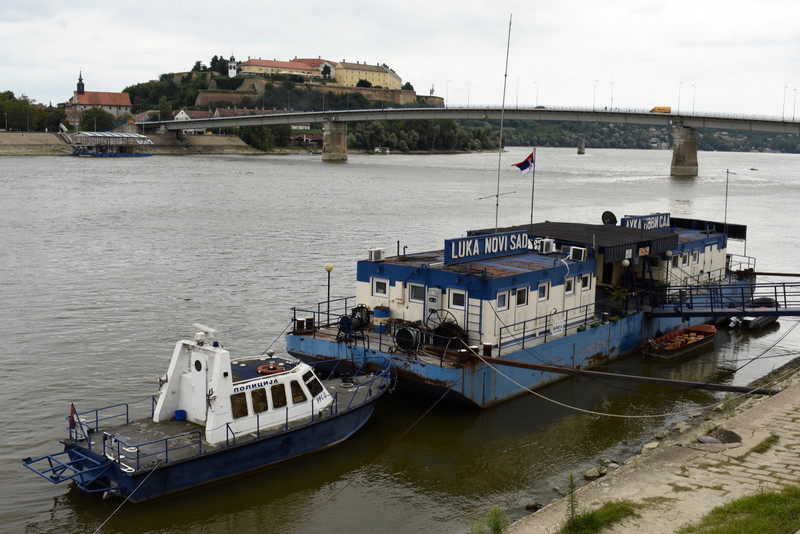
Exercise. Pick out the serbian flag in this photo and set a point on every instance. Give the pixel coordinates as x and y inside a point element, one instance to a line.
<point>73,416</point>
<point>525,165</point>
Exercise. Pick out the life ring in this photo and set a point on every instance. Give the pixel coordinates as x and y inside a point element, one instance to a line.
<point>270,369</point>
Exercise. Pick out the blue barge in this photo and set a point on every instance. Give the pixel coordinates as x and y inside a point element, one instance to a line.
<point>563,294</point>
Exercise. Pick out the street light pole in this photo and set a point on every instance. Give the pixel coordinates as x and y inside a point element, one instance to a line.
<point>783,106</point>
<point>467,94</point>
<point>594,92</point>
<point>680,86</point>
<point>612,94</point>
<point>329,268</point>
<point>536,83</point>
<point>694,91</point>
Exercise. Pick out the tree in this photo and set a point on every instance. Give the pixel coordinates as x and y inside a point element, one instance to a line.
<point>282,134</point>
<point>96,120</point>
<point>164,109</point>
<point>363,83</point>
<point>408,87</point>
<point>326,72</point>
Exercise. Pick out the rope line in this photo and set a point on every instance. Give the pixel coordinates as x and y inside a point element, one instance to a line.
<point>366,467</point>
<point>127,498</point>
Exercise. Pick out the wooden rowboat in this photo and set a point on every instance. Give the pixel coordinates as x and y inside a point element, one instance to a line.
<point>683,342</point>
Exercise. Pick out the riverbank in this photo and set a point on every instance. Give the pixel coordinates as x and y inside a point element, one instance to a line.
<point>676,480</point>
<point>51,144</point>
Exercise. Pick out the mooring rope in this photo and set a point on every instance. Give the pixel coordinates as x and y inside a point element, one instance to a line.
<point>127,498</point>
<point>366,467</point>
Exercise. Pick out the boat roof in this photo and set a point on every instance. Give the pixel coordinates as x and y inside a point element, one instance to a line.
<point>612,241</point>
<point>110,134</point>
<point>492,267</point>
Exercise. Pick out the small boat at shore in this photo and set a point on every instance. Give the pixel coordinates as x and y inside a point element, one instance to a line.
<point>683,342</point>
<point>755,322</point>
<point>214,417</point>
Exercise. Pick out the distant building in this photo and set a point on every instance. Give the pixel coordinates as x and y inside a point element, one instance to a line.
<point>266,67</point>
<point>188,114</point>
<point>348,74</point>
<point>115,103</point>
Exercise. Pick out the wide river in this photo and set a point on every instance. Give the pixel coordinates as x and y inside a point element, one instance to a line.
<point>104,264</point>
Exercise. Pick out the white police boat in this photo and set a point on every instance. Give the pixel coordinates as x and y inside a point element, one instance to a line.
<point>214,417</point>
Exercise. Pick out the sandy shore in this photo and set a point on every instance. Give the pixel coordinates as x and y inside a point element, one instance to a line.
<point>680,479</point>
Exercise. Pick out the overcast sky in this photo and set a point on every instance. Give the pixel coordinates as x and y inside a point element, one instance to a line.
<point>739,57</point>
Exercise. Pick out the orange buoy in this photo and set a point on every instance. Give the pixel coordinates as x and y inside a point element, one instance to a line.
<point>269,369</point>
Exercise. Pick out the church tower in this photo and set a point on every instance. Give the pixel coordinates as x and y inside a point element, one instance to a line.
<point>80,83</point>
<point>232,67</point>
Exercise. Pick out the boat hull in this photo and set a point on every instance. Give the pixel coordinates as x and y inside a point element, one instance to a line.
<point>182,475</point>
<point>697,339</point>
<point>484,383</point>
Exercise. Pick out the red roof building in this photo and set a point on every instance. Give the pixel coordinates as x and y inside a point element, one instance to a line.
<point>114,103</point>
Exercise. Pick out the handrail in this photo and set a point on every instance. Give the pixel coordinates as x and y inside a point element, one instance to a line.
<point>121,448</point>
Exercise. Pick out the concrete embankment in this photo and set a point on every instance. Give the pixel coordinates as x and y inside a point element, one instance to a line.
<point>677,479</point>
<point>51,144</point>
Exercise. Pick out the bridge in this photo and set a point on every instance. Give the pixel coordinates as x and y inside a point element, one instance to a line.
<point>684,153</point>
<point>771,299</point>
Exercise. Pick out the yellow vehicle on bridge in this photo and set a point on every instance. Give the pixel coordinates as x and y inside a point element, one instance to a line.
<point>661,109</point>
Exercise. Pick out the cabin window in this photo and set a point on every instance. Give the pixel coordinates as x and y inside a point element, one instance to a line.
<point>522,296</point>
<point>458,299</point>
<point>313,385</point>
<point>586,282</point>
<point>380,287</point>
<point>416,293</point>
<point>695,256</point>
<point>278,392</point>
<point>685,259</point>
<point>569,286</point>
<point>298,395</point>
<point>676,261</point>
<point>259,399</point>
<point>544,291</point>
<point>502,300</point>
<point>655,261</point>
<point>238,405</point>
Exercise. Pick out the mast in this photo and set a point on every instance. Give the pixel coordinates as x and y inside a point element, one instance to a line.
<point>502,113</point>
<point>533,182</point>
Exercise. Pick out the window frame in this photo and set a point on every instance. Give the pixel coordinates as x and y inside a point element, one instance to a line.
<point>586,282</point>
<point>569,285</point>
<point>506,294</point>
<point>546,287</point>
<point>451,293</point>
<point>422,289</point>
<point>522,291</point>
<point>375,282</point>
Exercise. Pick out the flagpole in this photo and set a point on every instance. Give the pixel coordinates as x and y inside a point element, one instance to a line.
<point>533,183</point>
<point>502,114</point>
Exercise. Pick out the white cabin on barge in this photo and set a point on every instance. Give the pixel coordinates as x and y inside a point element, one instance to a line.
<point>534,280</point>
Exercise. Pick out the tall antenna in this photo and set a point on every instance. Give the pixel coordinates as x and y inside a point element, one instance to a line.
<point>502,114</point>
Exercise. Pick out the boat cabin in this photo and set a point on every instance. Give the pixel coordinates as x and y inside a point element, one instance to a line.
<point>534,279</point>
<point>228,397</point>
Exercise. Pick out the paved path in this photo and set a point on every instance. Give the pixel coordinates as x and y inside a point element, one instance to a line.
<point>681,479</point>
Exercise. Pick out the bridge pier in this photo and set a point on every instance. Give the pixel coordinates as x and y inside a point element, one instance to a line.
<point>684,152</point>
<point>334,142</point>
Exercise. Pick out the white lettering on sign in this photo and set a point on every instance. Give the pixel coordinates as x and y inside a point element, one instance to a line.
<point>255,385</point>
<point>648,222</point>
<point>486,246</point>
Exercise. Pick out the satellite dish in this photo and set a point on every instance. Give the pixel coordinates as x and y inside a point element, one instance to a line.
<point>609,218</point>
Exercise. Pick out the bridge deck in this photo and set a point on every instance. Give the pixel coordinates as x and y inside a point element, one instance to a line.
<point>766,299</point>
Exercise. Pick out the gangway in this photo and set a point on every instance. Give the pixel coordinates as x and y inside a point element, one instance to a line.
<point>725,300</point>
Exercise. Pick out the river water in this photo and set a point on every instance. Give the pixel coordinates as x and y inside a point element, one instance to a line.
<point>104,264</point>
